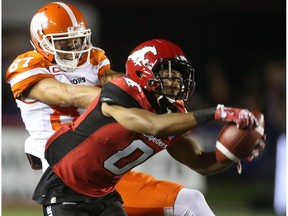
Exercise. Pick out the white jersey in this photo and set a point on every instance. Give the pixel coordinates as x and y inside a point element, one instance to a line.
<point>41,119</point>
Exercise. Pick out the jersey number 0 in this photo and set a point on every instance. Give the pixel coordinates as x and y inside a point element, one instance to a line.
<point>111,163</point>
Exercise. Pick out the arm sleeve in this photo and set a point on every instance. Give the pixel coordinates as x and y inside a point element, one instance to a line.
<point>114,95</point>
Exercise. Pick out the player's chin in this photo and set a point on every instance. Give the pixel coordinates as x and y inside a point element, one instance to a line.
<point>68,58</point>
<point>173,93</point>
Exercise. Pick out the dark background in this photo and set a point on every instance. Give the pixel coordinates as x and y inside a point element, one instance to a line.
<point>239,38</point>
<point>237,47</point>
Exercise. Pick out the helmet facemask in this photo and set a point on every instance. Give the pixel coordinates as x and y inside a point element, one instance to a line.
<point>186,80</point>
<point>80,50</point>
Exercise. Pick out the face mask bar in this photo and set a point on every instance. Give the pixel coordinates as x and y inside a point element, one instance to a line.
<point>48,45</point>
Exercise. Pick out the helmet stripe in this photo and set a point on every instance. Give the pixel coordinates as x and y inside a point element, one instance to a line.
<point>70,13</point>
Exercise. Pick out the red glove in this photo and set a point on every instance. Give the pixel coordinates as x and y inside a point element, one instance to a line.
<point>259,147</point>
<point>243,118</point>
<point>254,153</point>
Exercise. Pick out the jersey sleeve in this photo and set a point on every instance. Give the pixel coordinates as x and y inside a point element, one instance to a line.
<point>113,94</point>
<point>25,71</point>
<point>99,58</point>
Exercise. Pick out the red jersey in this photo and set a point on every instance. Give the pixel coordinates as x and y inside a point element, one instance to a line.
<point>91,155</point>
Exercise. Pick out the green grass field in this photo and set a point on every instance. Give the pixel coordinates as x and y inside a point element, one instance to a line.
<point>240,197</point>
<point>219,210</point>
<point>21,210</point>
<point>235,197</point>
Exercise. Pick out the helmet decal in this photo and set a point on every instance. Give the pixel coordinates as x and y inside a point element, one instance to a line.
<point>39,22</point>
<point>132,83</point>
<point>138,57</point>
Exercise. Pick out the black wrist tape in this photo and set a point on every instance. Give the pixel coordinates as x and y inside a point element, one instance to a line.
<point>204,115</point>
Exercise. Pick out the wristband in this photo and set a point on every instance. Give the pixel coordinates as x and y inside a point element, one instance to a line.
<point>204,115</point>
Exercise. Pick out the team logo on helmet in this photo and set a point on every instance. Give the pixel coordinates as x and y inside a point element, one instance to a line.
<point>132,83</point>
<point>138,57</point>
<point>40,22</point>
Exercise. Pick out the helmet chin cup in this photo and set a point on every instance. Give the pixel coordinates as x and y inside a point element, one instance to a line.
<point>70,65</point>
<point>67,65</point>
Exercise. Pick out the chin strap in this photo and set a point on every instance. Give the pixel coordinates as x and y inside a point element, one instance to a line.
<point>166,104</point>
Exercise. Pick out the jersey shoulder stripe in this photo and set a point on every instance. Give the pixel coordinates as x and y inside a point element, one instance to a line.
<point>26,70</point>
<point>98,57</point>
<point>26,62</point>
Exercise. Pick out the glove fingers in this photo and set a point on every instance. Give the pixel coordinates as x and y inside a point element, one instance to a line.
<point>255,152</point>
<point>247,120</point>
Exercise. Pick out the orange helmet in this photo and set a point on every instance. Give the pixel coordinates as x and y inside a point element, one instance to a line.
<point>59,21</point>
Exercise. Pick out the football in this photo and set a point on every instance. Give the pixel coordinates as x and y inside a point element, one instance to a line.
<point>234,144</point>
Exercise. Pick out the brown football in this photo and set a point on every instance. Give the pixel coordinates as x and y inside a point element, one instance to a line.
<point>234,144</point>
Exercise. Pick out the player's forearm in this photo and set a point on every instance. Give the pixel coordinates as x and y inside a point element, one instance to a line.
<point>82,96</point>
<point>206,164</point>
<point>173,123</point>
<point>51,91</point>
<point>149,123</point>
<point>178,123</point>
<point>187,151</point>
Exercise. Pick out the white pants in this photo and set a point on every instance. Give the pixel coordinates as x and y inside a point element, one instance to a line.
<point>189,202</point>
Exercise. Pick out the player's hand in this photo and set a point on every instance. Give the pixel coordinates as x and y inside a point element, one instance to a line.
<point>243,118</point>
<point>257,149</point>
<point>254,153</point>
